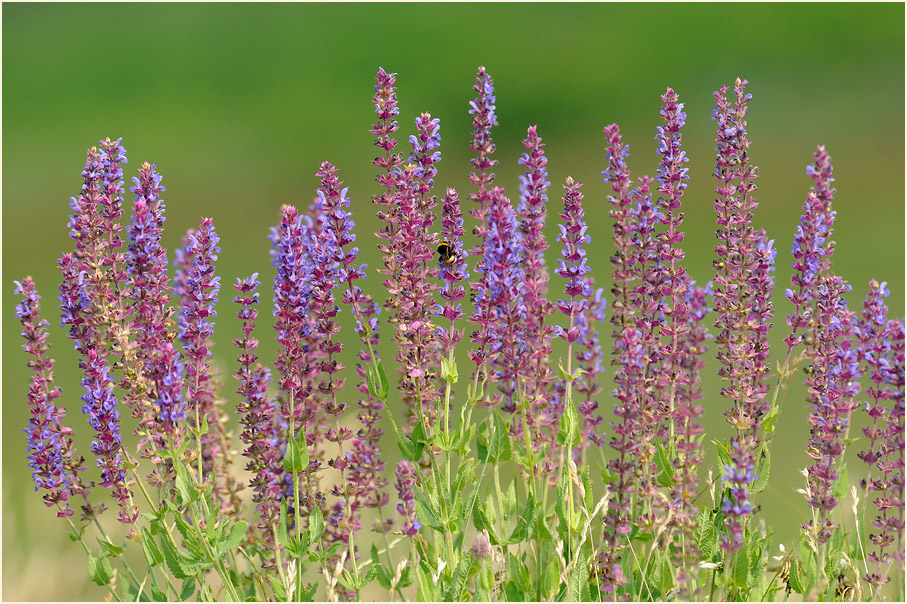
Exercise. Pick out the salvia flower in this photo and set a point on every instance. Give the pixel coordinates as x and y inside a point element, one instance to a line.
<point>737,302</point>
<point>407,478</point>
<point>101,408</point>
<point>416,334</point>
<point>628,353</point>
<point>833,374</point>
<point>50,448</point>
<point>385,100</point>
<point>483,120</point>
<point>532,212</point>
<point>452,270</point>
<point>876,340</point>
<point>425,155</point>
<point>195,332</point>
<point>291,295</point>
<point>257,411</point>
<point>812,249</point>
<point>589,357</point>
<point>572,266</point>
<point>147,264</point>
<point>502,288</point>
<point>739,475</point>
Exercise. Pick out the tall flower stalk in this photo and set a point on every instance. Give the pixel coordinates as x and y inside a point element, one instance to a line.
<point>741,309</point>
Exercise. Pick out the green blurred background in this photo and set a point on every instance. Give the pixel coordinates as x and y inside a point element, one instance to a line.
<point>238,104</point>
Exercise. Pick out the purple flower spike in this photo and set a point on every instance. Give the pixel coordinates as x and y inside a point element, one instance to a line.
<point>416,334</point>
<point>407,478</point>
<point>257,411</point>
<point>146,262</point>
<point>483,120</point>
<point>425,155</point>
<point>101,408</point>
<point>628,353</point>
<point>741,308</point>
<point>812,249</point>
<point>452,270</point>
<point>195,332</point>
<point>677,372</point>
<point>532,212</point>
<point>501,290</point>
<point>50,448</point>
<point>385,100</point>
<point>572,266</point>
<point>291,296</point>
<point>590,357</point>
<point>833,374</point>
<point>739,476</point>
<point>880,346</point>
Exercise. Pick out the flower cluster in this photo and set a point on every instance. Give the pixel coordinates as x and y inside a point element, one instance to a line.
<point>407,478</point>
<point>483,120</point>
<point>317,474</point>
<point>50,448</point>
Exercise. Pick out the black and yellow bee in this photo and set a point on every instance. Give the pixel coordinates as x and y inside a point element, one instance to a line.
<point>446,253</point>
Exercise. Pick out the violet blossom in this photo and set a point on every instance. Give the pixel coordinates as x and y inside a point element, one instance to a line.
<point>407,478</point>
<point>50,448</point>
<point>483,120</point>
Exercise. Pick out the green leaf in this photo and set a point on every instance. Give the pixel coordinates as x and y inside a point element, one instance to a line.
<point>724,452</point>
<point>481,522</point>
<point>796,576</point>
<point>667,576</point>
<point>153,555</point>
<point>705,533</point>
<point>568,430</point>
<point>842,484</point>
<point>109,549</point>
<point>763,468</point>
<point>280,593</point>
<point>158,595</point>
<point>369,575</point>
<point>589,502</point>
<point>510,500</point>
<point>513,592</point>
<point>406,577</point>
<point>237,533</point>
<point>494,444</point>
<point>449,371</point>
<point>663,465</point>
<point>412,451</point>
<point>384,579</point>
<point>741,568</point>
<point>578,577</point>
<point>302,449</point>
<point>425,591</point>
<point>525,520</point>
<point>460,577</point>
<point>465,474</point>
<point>188,589</point>
<point>560,501</point>
<point>99,570</point>
<point>378,386</point>
<point>426,512</point>
<point>172,558</point>
<point>292,463</point>
<point>133,594</point>
<point>768,422</point>
<point>316,525</point>
<point>187,493</point>
<point>283,536</point>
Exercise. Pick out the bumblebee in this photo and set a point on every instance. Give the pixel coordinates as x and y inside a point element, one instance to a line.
<point>446,253</point>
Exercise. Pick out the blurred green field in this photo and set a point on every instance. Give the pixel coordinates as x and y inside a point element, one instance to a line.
<point>238,104</point>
